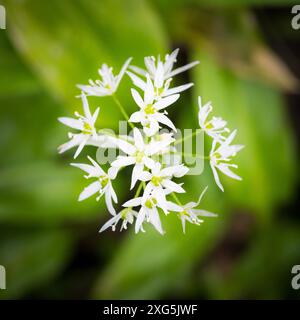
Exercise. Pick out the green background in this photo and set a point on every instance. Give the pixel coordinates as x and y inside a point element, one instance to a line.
<point>49,242</point>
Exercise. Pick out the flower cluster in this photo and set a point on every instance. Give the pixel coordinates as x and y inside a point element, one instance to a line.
<point>156,182</point>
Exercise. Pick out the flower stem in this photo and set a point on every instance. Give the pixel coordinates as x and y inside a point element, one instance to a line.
<point>191,155</point>
<point>176,199</point>
<point>188,137</point>
<point>138,191</point>
<point>121,108</point>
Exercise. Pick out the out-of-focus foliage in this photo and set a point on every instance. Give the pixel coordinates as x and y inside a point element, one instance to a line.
<point>47,49</point>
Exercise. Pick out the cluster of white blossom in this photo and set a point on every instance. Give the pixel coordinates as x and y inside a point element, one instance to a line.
<point>154,181</point>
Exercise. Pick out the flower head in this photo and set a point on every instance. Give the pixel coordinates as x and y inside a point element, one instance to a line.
<point>189,213</point>
<point>161,72</point>
<point>127,215</point>
<point>149,114</point>
<point>108,84</point>
<point>139,154</point>
<point>162,178</point>
<point>102,185</point>
<point>221,156</point>
<point>214,127</point>
<point>85,124</point>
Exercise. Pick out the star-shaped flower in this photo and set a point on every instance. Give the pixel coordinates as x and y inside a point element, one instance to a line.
<point>162,178</point>
<point>188,212</point>
<point>214,127</point>
<point>221,156</point>
<point>102,185</point>
<point>138,154</point>
<point>127,215</point>
<point>161,72</point>
<point>108,84</point>
<point>85,124</point>
<point>149,115</point>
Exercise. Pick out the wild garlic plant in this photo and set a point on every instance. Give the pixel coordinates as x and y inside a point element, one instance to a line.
<point>153,181</point>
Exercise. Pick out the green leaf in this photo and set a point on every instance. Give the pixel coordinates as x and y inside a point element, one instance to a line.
<point>32,259</point>
<point>77,37</point>
<point>257,111</point>
<point>263,271</point>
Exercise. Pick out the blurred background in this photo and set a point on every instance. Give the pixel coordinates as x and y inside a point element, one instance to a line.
<point>250,69</point>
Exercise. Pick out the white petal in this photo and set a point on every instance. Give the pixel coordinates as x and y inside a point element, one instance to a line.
<point>165,120</point>
<point>177,89</point>
<point>90,190</point>
<point>152,129</point>
<point>138,139</point>
<point>145,176</point>
<point>171,185</point>
<point>81,146</point>
<point>159,75</point>
<point>108,202</point>
<point>140,219</point>
<point>204,213</point>
<point>155,220</point>
<point>149,92</point>
<point>125,146</point>
<point>137,98</point>
<point>121,74</point>
<point>113,193</point>
<point>147,192</point>
<point>136,117</point>
<point>182,69</point>
<point>114,220</point>
<point>177,171</point>
<point>137,81</point>
<point>75,141</point>
<point>165,102</point>
<point>136,173</point>
<point>86,107</point>
<point>133,202</point>
<point>97,166</point>
<point>138,70</point>
<point>72,123</point>
<point>225,169</point>
<point>122,161</point>
<point>174,207</point>
<point>216,176</point>
<point>91,170</point>
<point>149,163</point>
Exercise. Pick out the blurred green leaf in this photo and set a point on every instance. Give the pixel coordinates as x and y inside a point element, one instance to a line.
<point>78,37</point>
<point>257,111</point>
<point>268,262</point>
<point>224,3</point>
<point>32,259</point>
<point>149,265</point>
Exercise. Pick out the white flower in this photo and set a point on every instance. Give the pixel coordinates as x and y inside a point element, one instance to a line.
<point>127,215</point>
<point>109,83</point>
<point>149,115</point>
<point>221,156</point>
<point>149,210</point>
<point>161,73</point>
<point>161,178</point>
<point>214,127</point>
<point>159,92</point>
<point>102,185</point>
<point>86,124</point>
<point>188,212</point>
<point>139,154</point>
<point>167,139</point>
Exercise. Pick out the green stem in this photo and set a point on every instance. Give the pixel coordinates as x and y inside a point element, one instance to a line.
<point>138,191</point>
<point>188,137</point>
<point>121,108</point>
<point>190,155</point>
<point>176,199</point>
